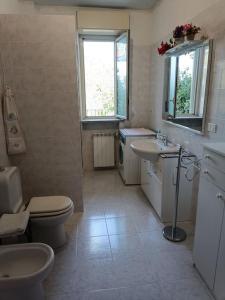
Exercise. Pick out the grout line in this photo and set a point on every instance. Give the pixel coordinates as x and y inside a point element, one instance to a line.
<point>109,240</point>
<point>76,250</point>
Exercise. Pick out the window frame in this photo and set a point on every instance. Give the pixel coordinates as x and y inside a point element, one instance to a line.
<point>121,36</point>
<point>203,88</point>
<point>195,87</point>
<point>194,95</point>
<point>100,37</point>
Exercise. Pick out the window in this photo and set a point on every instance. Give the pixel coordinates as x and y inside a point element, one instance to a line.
<point>187,75</point>
<point>104,76</point>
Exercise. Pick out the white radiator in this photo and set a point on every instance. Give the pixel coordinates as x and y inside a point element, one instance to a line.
<point>104,150</point>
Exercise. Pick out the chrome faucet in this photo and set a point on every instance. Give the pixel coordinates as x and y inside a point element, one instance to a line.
<point>163,138</point>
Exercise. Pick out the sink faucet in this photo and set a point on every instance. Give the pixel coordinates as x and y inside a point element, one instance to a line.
<point>163,138</point>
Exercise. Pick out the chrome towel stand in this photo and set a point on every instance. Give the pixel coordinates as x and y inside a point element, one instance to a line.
<point>172,232</point>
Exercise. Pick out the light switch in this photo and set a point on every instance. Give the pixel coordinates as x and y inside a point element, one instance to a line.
<point>212,127</point>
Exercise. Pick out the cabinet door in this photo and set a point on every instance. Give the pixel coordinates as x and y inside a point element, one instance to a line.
<point>145,177</point>
<point>219,288</point>
<point>156,194</point>
<point>208,229</point>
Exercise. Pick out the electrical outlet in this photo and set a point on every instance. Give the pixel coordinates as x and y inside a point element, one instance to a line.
<point>212,127</point>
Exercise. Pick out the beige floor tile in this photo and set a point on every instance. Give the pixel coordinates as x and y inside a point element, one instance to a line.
<point>116,250</point>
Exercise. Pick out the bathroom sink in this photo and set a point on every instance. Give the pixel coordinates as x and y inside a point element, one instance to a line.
<point>151,149</point>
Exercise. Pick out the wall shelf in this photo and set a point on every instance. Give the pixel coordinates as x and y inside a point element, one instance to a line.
<point>187,46</point>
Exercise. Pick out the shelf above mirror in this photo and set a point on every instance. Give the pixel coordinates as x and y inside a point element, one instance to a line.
<point>186,46</point>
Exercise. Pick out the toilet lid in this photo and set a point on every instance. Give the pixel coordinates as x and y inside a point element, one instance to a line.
<point>49,204</point>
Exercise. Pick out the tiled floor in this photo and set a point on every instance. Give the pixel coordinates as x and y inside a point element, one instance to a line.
<point>116,250</point>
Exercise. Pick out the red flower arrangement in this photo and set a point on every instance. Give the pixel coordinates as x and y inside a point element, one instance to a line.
<point>178,32</point>
<point>191,29</point>
<point>164,47</point>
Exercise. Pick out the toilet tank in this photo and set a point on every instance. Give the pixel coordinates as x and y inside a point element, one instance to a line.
<point>11,199</point>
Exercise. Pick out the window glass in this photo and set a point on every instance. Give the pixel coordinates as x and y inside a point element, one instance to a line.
<point>99,78</point>
<point>185,95</point>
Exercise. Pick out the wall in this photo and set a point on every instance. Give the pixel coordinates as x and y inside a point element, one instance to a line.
<point>140,29</point>
<point>139,94</point>
<point>212,20</point>
<point>169,13</point>
<point>39,62</point>
<point>140,39</point>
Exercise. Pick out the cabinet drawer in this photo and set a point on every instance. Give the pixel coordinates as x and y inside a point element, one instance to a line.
<point>214,160</point>
<point>215,176</point>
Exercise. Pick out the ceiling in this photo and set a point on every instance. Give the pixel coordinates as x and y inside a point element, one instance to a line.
<point>129,4</point>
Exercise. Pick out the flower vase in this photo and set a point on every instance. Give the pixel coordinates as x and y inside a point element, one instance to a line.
<point>179,40</point>
<point>190,37</point>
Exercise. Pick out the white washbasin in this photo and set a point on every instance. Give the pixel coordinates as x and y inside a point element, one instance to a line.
<point>151,149</point>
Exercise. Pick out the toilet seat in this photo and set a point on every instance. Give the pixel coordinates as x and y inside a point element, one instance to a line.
<point>49,206</point>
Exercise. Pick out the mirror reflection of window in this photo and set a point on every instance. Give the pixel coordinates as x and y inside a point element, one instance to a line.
<point>205,57</point>
<point>187,85</point>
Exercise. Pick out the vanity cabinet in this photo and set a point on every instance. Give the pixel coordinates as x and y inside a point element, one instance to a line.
<point>219,287</point>
<point>158,181</point>
<point>209,243</point>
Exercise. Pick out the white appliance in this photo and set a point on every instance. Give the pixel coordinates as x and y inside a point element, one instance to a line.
<point>129,162</point>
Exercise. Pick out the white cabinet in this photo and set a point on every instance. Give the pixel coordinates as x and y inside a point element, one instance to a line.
<point>209,244</point>
<point>158,184</point>
<point>219,287</point>
<point>208,229</point>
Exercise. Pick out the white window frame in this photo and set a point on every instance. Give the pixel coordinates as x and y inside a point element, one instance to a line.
<point>195,86</point>
<point>99,37</point>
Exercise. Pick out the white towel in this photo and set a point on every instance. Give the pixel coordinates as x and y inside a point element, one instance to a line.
<point>13,224</point>
<point>14,135</point>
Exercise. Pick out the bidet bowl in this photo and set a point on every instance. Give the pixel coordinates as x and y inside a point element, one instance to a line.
<point>23,267</point>
<point>151,149</point>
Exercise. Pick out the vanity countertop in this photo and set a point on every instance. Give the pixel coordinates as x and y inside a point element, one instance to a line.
<point>218,147</point>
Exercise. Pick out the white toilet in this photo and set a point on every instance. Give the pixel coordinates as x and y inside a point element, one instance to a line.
<point>47,214</point>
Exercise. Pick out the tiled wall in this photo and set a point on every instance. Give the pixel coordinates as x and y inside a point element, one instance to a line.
<point>213,22</point>
<point>139,107</point>
<point>39,64</point>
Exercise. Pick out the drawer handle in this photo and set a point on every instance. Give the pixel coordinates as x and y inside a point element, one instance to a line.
<point>219,196</point>
<point>206,172</point>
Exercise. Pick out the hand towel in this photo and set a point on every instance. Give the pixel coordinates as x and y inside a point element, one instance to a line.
<point>14,135</point>
<point>13,224</point>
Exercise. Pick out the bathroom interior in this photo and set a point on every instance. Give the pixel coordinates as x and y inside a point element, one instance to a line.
<point>112,149</point>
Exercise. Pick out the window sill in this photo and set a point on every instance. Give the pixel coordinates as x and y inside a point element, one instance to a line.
<point>110,120</point>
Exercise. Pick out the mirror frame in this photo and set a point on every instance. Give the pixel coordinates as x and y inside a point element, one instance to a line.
<point>166,84</point>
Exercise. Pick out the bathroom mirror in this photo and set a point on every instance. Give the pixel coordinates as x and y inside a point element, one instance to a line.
<point>187,72</point>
